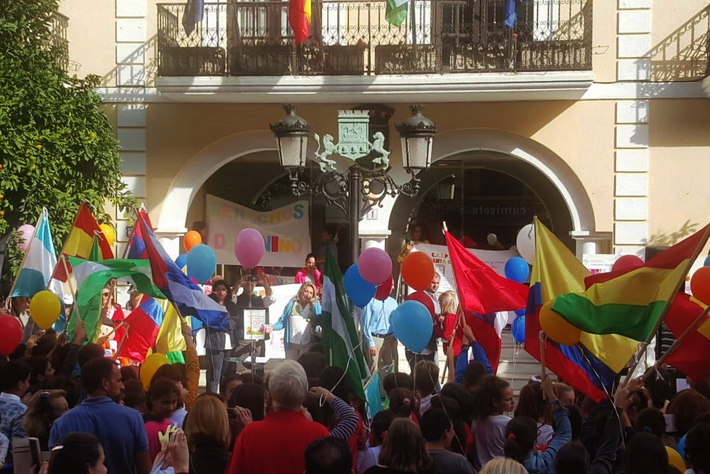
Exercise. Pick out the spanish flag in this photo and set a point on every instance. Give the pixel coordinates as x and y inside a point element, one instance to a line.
<point>299,17</point>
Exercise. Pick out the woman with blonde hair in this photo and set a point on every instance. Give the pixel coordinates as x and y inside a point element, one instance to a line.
<point>444,328</point>
<point>502,465</point>
<point>403,451</point>
<point>298,321</point>
<point>208,436</point>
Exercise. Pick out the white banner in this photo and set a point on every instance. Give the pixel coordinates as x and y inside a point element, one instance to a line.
<point>285,230</point>
<point>439,254</point>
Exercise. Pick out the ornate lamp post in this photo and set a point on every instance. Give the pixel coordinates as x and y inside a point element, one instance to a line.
<point>366,183</point>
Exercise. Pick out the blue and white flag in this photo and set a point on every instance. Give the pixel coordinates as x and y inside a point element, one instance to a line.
<point>511,13</point>
<point>36,271</point>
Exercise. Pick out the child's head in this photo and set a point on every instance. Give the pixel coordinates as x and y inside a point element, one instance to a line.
<point>163,396</point>
<point>134,395</point>
<point>495,397</point>
<point>520,435</point>
<point>436,426</point>
<point>426,374</point>
<point>379,426</point>
<point>447,301</point>
<point>397,379</point>
<point>402,402</point>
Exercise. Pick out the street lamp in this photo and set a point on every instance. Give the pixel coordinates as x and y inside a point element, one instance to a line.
<point>366,183</point>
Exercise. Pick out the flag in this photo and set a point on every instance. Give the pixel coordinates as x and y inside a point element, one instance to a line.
<point>482,293</point>
<point>143,325</point>
<point>299,17</point>
<point>194,11</point>
<point>80,239</point>
<point>40,260</point>
<point>511,13</point>
<point>692,356</point>
<point>92,277</point>
<point>556,271</point>
<point>136,244</point>
<point>340,338</point>
<point>187,297</point>
<point>396,11</point>
<point>170,338</point>
<point>372,392</point>
<point>632,304</point>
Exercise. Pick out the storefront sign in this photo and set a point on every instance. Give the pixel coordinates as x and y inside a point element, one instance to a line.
<point>286,231</point>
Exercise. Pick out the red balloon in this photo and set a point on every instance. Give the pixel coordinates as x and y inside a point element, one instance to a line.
<point>418,270</point>
<point>384,289</point>
<point>627,263</point>
<point>424,299</point>
<point>10,334</point>
<point>700,284</point>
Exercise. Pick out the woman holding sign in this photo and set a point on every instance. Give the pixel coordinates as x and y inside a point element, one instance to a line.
<point>297,321</point>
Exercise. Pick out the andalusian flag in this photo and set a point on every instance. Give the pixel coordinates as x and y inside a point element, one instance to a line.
<point>631,304</point>
<point>299,17</point>
<point>92,277</point>
<point>396,11</point>
<point>340,338</point>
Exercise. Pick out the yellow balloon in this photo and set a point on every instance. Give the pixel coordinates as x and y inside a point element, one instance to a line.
<point>109,233</point>
<point>556,327</point>
<point>45,308</point>
<point>150,366</point>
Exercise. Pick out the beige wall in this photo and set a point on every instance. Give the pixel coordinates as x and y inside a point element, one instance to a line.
<point>604,41</point>
<point>91,35</point>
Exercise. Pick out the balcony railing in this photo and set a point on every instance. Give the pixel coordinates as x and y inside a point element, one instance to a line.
<point>58,25</point>
<point>354,37</point>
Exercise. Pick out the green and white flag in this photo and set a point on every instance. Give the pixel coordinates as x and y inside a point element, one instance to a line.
<point>91,278</point>
<point>340,337</point>
<point>396,11</point>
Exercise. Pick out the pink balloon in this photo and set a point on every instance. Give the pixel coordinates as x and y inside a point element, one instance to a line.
<point>375,265</point>
<point>627,263</point>
<point>26,231</point>
<point>249,247</point>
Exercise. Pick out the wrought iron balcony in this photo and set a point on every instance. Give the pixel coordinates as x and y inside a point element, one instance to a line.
<point>58,25</point>
<point>353,37</point>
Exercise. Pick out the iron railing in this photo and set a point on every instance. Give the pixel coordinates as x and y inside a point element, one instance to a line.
<point>58,25</point>
<point>355,37</point>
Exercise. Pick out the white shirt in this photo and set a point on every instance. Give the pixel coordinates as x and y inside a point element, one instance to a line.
<point>298,325</point>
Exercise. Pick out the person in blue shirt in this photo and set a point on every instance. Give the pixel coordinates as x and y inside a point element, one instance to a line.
<point>119,428</point>
<point>299,321</point>
<point>377,330</point>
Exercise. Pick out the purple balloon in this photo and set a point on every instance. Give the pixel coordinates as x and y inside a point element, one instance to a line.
<point>26,231</point>
<point>249,247</point>
<point>375,265</point>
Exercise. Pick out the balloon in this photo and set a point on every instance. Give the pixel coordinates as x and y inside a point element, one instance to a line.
<point>10,334</point>
<point>627,263</point>
<point>700,284</point>
<point>418,270</point>
<point>249,247</point>
<point>412,325</point>
<point>424,299</point>
<point>45,308</point>
<point>109,233</point>
<point>518,329</point>
<point>150,366</point>
<point>375,265</point>
<point>181,261</point>
<point>26,232</point>
<point>201,262</point>
<point>384,289</point>
<point>359,291</point>
<point>491,239</point>
<point>517,269</point>
<point>191,239</point>
<point>558,328</point>
<point>706,263</point>
<point>526,243</point>
<point>519,312</point>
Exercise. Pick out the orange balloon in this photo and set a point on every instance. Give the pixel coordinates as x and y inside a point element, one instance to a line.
<point>191,239</point>
<point>418,270</point>
<point>700,284</point>
<point>558,328</point>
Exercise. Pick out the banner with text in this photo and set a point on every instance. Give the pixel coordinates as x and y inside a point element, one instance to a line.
<point>285,230</point>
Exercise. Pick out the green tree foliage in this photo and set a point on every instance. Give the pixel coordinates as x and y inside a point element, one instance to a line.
<point>57,148</point>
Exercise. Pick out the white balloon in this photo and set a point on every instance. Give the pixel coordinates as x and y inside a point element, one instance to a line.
<point>526,243</point>
<point>492,239</point>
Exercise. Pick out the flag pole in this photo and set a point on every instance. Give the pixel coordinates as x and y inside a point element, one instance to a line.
<point>543,336</point>
<point>683,336</point>
<point>667,306</point>
<point>75,306</point>
<point>8,301</point>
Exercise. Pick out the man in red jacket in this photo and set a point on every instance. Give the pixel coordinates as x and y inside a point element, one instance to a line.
<point>276,445</point>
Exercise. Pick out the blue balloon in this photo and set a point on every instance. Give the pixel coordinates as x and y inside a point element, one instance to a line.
<point>201,262</point>
<point>412,325</point>
<point>706,263</point>
<point>359,290</point>
<point>518,329</point>
<point>519,312</point>
<point>517,269</point>
<point>181,261</point>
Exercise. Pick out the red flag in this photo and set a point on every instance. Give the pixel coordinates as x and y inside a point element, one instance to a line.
<point>482,293</point>
<point>299,17</point>
<point>144,323</point>
<point>692,356</point>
